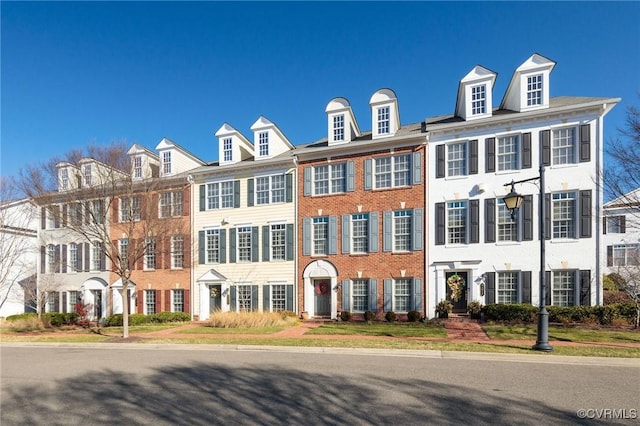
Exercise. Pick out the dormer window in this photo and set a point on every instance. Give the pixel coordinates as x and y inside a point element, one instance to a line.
<point>478,99</point>
<point>383,120</point>
<point>263,144</point>
<point>534,90</point>
<point>87,174</point>
<point>166,163</point>
<point>227,149</point>
<point>64,179</point>
<point>137,167</point>
<point>338,127</point>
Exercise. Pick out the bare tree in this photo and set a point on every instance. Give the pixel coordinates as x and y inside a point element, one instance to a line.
<point>17,242</point>
<point>105,205</point>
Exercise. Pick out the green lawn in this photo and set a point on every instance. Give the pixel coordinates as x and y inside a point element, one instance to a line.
<point>400,329</point>
<point>566,334</point>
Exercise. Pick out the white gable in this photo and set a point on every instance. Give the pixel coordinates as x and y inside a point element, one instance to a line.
<point>233,147</point>
<point>212,275</point>
<point>529,87</point>
<point>341,123</point>
<point>144,163</point>
<point>268,140</point>
<point>475,90</point>
<point>68,176</point>
<point>385,117</point>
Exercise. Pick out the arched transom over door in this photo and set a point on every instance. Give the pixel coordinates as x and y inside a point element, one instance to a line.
<point>320,289</point>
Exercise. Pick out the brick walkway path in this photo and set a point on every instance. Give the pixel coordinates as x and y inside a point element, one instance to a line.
<point>464,329</point>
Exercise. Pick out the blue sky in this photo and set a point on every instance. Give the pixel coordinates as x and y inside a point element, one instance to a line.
<point>75,73</point>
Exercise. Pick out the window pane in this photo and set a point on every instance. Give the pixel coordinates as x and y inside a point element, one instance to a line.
<point>360,233</point>
<point>402,230</point>
<point>457,222</point>
<point>320,235</point>
<point>563,288</point>
<point>507,227</point>
<point>383,172</point>
<point>457,159</point>
<point>278,240</point>
<point>564,215</point>
<point>508,287</point>
<point>564,146</point>
<point>402,295</point>
<point>244,244</point>
<point>360,295</point>
<point>278,298</point>
<point>508,153</point>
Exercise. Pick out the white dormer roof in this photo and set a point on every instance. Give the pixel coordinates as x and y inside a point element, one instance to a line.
<point>174,159</point>
<point>68,176</point>
<point>240,149</point>
<point>475,99</point>
<point>268,139</point>
<point>341,123</point>
<point>147,165</point>
<point>529,86</point>
<point>385,117</point>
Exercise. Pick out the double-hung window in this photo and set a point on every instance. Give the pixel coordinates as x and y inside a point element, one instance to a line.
<point>150,253</point>
<point>263,144</point>
<point>244,298</point>
<point>96,211</point>
<point>534,90</point>
<point>150,302</point>
<point>96,256</point>
<point>360,233</point>
<point>51,258</point>
<point>393,171</point>
<point>244,243</point>
<point>278,241</point>
<point>53,301</point>
<point>212,245</point>
<point>129,209</point>
<point>507,288</point>
<point>227,149</point>
<point>320,235</point>
<point>123,249</point>
<point>178,301</point>
<point>402,230</point>
<point>278,297</point>
<point>360,295</point>
<point>166,163</point>
<point>87,175</point>
<point>563,288</point>
<point>507,225</point>
<point>478,99</point>
<point>563,216</point>
<point>64,179</point>
<point>329,179</point>
<point>508,148</point>
<point>137,167</point>
<point>457,159</point>
<point>383,120</point>
<point>564,146</point>
<point>402,295</point>
<point>615,224</point>
<point>338,128</point>
<point>73,257</point>
<point>457,222</point>
<point>177,252</point>
<point>220,195</point>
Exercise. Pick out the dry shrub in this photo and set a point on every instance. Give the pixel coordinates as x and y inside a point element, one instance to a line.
<point>24,324</point>
<point>249,319</point>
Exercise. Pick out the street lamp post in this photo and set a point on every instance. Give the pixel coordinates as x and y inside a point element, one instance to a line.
<point>513,200</point>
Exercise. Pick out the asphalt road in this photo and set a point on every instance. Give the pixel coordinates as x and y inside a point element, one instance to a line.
<point>205,385</point>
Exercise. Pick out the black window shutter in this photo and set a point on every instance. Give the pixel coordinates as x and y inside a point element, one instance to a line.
<point>440,224</point>
<point>585,214</point>
<point>289,301</point>
<point>87,257</point>
<point>290,247</point>
<point>236,194</point>
<point>250,183</point>
<point>623,224</point>
<point>307,181</point>
<point>585,287</point>
<point>203,198</point>
<point>545,146</point>
<point>549,287</point>
<point>233,291</point>
<point>440,161</point>
<point>473,157</point>
<point>490,155</point>
<point>254,297</point>
<point>604,225</point>
<point>490,220</point>
<point>266,305</point>
<point>526,286</point>
<point>232,245</point>
<point>79,251</point>
<point>255,255</point>
<point>474,216</point>
<point>223,246</point>
<point>43,218</point>
<point>547,217</point>
<point>585,143</point>
<point>64,258</point>
<point>527,218</point>
<point>491,288</point>
<point>526,150</point>
<point>201,248</point>
<point>289,188</point>
<point>266,249</point>
<point>609,255</point>
<point>103,257</point>
<point>43,259</point>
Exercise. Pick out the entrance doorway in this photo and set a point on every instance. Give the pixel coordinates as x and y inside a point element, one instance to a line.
<point>322,297</point>
<point>461,280</point>
<point>215,298</point>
